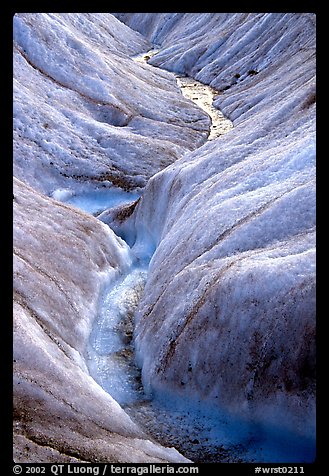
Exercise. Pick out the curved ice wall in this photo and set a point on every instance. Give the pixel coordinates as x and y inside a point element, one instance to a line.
<point>228,313</point>
<point>86,113</point>
<point>229,308</point>
<point>83,116</point>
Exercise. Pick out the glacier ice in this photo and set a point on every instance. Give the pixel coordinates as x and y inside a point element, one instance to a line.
<point>110,350</point>
<point>63,258</point>
<point>98,200</point>
<point>227,318</point>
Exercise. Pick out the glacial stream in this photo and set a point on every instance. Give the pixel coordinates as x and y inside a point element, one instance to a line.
<point>111,351</point>
<point>201,94</point>
<point>199,432</point>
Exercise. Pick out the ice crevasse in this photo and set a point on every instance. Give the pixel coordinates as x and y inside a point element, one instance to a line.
<point>228,312</point>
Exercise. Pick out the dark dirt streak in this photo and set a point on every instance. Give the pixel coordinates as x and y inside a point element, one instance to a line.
<point>68,453</point>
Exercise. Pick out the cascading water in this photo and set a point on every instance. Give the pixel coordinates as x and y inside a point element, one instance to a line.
<point>201,94</point>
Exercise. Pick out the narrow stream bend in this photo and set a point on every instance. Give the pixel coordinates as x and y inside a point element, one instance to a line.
<point>201,94</point>
<point>200,433</point>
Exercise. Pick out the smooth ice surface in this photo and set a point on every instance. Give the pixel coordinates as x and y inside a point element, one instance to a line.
<point>96,201</point>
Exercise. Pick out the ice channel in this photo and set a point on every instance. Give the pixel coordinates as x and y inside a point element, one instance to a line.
<point>94,200</point>
<point>110,353</point>
<point>201,94</point>
<point>198,431</point>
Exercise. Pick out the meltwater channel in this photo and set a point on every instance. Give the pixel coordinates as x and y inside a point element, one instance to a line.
<point>200,432</point>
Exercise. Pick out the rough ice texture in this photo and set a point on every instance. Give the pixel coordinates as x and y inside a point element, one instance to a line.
<point>228,312</point>
<point>62,257</point>
<point>85,112</point>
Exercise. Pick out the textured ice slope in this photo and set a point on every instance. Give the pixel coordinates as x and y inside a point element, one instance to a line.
<point>85,112</point>
<point>85,118</point>
<point>62,258</point>
<point>228,313</point>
